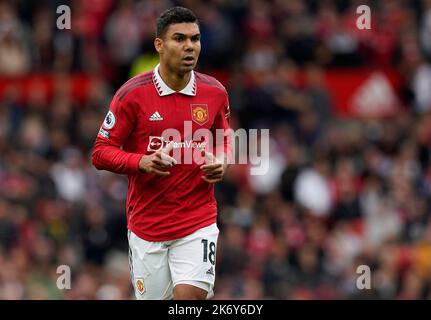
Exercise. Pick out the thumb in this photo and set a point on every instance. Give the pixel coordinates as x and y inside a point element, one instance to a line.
<point>164,154</point>
<point>168,148</point>
<point>209,157</point>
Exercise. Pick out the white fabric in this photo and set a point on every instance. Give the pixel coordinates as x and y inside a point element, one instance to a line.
<point>163,89</point>
<point>163,265</point>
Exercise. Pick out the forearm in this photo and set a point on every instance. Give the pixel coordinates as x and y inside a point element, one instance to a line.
<point>111,158</point>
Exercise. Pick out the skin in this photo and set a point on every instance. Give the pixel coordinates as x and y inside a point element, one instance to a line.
<point>180,40</point>
<point>188,292</point>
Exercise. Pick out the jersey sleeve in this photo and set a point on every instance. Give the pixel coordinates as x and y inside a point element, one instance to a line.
<point>107,152</point>
<point>223,138</point>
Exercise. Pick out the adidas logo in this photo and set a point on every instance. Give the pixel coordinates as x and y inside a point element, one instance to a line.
<point>375,96</point>
<point>156,117</point>
<point>210,271</point>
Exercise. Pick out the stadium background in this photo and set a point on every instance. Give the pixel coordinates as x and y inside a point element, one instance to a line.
<point>349,113</point>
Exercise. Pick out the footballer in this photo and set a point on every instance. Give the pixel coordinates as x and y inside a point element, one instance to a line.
<point>170,208</point>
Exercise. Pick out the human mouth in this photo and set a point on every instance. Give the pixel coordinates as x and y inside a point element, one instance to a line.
<point>189,59</point>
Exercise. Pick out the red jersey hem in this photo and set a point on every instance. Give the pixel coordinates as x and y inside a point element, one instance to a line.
<point>173,236</point>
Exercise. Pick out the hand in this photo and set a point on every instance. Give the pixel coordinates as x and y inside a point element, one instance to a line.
<point>159,162</point>
<point>213,168</point>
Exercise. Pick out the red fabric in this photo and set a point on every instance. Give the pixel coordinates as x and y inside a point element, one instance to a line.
<point>162,208</point>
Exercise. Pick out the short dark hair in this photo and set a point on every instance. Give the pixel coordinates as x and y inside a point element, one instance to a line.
<point>172,16</point>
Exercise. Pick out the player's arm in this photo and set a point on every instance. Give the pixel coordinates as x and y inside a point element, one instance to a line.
<point>108,153</point>
<point>217,163</point>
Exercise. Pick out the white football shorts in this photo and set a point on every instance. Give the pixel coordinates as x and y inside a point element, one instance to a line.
<point>157,267</point>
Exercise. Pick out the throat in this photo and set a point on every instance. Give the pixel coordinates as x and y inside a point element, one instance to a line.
<point>174,80</point>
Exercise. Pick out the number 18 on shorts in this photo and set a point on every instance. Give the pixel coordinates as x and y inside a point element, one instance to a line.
<point>157,267</point>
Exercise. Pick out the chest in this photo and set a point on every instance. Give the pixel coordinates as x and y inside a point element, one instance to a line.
<point>177,112</point>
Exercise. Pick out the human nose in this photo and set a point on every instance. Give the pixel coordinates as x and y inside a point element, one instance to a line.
<point>188,45</point>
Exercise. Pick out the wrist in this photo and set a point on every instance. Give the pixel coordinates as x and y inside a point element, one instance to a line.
<point>143,168</point>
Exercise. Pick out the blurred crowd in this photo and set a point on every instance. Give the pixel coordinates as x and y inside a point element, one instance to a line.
<point>339,193</point>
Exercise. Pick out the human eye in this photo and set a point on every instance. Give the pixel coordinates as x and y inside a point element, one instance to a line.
<point>179,38</point>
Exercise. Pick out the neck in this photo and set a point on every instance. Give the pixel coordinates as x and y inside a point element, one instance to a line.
<point>176,81</point>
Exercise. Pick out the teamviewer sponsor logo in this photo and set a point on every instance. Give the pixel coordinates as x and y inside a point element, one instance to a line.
<point>156,143</point>
<point>247,147</point>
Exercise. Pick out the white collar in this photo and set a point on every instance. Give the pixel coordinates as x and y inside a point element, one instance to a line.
<point>164,90</point>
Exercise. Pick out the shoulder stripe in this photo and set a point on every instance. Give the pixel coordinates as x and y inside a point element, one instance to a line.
<point>142,83</point>
<point>131,88</point>
<point>142,76</point>
<point>208,80</point>
<point>138,83</point>
<point>134,80</point>
<point>139,77</point>
<point>212,84</point>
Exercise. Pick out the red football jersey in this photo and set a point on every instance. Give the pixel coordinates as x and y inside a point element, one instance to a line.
<point>171,207</point>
